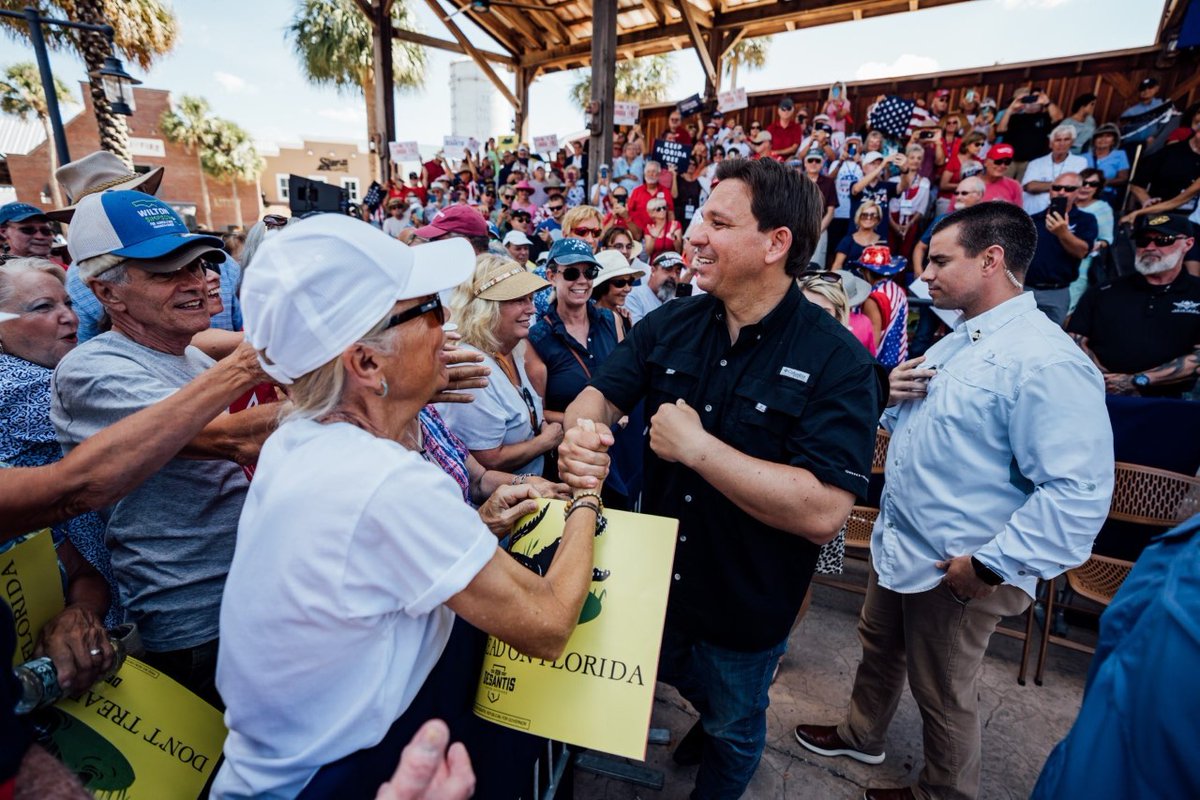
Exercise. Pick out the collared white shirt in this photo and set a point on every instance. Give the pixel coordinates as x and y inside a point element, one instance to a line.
<point>1045,169</point>
<point>1009,457</point>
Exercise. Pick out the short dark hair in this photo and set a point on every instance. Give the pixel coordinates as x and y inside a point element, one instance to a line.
<point>1092,172</point>
<point>780,198</point>
<point>994,223</point>
<point>1082,100</point>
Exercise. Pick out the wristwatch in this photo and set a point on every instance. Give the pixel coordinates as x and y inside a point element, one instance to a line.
<point>1141,380</point>
<point>986,573</point>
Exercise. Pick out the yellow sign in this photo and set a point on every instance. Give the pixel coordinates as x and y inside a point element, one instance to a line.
<point>506,142</point>
<point>138,735</point>
<point>599,694</point>
<point>32,588</point>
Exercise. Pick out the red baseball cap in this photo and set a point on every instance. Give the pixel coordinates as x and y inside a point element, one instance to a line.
<point>462,220</point>
<point>1001,150</point>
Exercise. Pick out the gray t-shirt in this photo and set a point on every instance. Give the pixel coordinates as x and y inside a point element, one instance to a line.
<point>172,538</point>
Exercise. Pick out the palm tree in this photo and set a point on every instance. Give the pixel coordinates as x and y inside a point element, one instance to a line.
<point>231,156</point>
<point>143,30</point>
<point>332,39</point>
<point>190,125</point>
<point>21,93</point>
<point>751,53</point>
<point>641,80</point>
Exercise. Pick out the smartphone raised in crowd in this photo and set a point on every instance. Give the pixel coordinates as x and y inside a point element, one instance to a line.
<point>604,170</point>
<point>1059,205</point>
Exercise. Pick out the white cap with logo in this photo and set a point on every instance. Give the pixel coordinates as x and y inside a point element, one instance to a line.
<point>320,285</point>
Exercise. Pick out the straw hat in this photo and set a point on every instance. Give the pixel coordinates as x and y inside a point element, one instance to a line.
<point>614,265</point>
<point>507,280</point>
<point>98,172</point>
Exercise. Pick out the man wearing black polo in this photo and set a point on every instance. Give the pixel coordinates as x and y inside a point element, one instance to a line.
<point>1143,330</point>
<point>1063,241</point>
<point>764,417</point>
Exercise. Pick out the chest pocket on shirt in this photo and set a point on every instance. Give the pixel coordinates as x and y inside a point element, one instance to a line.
<point>767,411</point>
<point>673,376</point>
<point>981,386</point>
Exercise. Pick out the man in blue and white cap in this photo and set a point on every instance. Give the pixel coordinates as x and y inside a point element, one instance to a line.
<point>171,539</point>
<point>25,230</point>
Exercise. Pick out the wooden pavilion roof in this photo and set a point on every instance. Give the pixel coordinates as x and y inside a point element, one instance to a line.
<point>558,34</point>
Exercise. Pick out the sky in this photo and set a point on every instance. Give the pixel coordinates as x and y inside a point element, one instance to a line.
<point>234,53</point>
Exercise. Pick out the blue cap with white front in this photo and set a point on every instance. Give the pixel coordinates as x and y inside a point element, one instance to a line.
<point>129,224</point>
<point>19,212</point>
<point>572,251</point>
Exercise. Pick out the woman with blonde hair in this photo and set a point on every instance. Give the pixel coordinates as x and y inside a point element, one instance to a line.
<point>583,222</point>
<point>866,218</point>
<point>504,427</point>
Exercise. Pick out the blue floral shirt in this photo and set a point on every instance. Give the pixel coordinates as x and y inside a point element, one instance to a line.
<point>27,439</point>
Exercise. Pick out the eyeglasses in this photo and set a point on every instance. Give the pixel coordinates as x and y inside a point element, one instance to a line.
<point>1003,162</point>
<point>814,161</point>
<point>554,209</point>
<point>1093,184</point>
<point>658,207</point>
<point>624,248</point>
<point>30,230</point>
<point>571,274</point>
<point>1066,189</point>
<point>585,231</point>
<point>432,304</point>
<point>1159,240</point>
<point>961,193</point>
<point>824,276</point>
<point>868,215</point>
<point>620,283</point>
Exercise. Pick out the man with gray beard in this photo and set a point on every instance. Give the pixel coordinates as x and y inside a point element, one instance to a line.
<point>659,287</point>
<point>1143,330</point>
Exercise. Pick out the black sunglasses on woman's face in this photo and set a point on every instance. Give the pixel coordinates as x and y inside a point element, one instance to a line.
<point>571,274</point>
<point>432,304</point>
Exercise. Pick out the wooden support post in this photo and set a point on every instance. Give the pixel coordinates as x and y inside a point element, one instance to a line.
<point>524,77</point>
<point>604,68</point>
<point>716,51</point>
<point>385,84</point>
<point>689,17</point>
<point>476,56</point>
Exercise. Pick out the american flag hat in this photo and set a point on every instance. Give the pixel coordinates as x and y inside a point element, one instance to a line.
<point>878,259</point>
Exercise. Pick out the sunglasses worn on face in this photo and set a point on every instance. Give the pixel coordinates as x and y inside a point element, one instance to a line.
<point>962,194</point>
<point>1058,187</point>
<point>571,274</point>
<point>30,230</point>
<point>553,209</point>
<point>868,215</point>
<point>433,304</point>
<point>1093,184</point>
<point>1159,240</point>
<point>585,231</point>
<point>620,283</point>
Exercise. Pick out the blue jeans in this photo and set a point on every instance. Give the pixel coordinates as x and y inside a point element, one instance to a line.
<point>729,690</point>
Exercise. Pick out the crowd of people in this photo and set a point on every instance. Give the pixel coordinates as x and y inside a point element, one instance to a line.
<point>291,456</point>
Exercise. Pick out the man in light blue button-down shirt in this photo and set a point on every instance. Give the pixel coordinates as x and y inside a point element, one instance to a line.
<point>999,472</point>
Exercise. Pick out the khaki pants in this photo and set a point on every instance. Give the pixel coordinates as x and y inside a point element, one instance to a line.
<point>939,642</point>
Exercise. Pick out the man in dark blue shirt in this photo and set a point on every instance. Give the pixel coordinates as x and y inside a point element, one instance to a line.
<point>764,417</point>
<point>1064,239</point>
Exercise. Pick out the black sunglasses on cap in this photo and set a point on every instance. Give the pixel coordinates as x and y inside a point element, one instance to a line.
<point>1159,240</point>
<point>432,304</point>
<point>571,274</point>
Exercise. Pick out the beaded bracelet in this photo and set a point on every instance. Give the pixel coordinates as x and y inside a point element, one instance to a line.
<point>579,502</point>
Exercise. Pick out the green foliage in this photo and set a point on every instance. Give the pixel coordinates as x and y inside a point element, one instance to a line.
<point>641,80</point>
<point>21,91</point>
<point>143,30</point>
<point>332,39</point>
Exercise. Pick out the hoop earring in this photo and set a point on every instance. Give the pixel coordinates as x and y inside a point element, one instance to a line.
<point>382,391</point>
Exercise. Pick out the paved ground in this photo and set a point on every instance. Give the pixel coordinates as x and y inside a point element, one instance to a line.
<point>1020,723</point>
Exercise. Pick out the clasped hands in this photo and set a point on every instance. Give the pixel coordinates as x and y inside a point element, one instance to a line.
<point>587,447</point>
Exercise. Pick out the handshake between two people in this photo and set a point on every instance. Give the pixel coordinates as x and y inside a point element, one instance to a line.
<point>587,444</point>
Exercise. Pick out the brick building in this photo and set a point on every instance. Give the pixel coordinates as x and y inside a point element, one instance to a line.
<point>181,179</point>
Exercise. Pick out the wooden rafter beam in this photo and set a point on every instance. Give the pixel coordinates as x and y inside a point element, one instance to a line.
<point>548,20</point>
<point>520,21</point>
<point>474,53</point>
<point>445,44</point>
<point>815,10</point>
<point>491,26</point>
<point>698,43</point>
<point>555,57</point>
<point>656,10</point>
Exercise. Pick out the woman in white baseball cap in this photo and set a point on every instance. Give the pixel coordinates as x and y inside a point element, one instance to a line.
<point>354,553</point>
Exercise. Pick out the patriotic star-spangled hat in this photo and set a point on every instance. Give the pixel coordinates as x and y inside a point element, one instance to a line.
<point>878,258</point>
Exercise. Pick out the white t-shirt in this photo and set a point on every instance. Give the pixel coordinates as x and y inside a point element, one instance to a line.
<point>908,204</point>
<point>1044,169</point>
<point>333,615</point>
<point>499,415</point>
<point>849,174</point>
